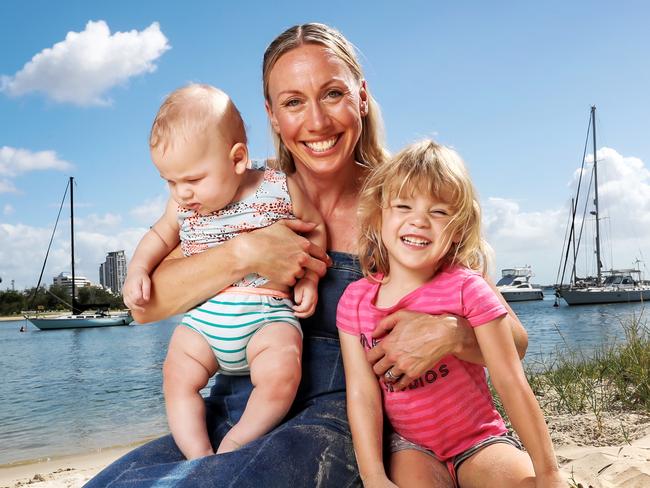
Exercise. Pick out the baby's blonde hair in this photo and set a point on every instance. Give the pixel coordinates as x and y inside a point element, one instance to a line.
<point>195,110</point>
<point>434,170</point>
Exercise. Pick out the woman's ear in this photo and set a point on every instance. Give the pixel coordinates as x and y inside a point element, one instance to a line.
<point>239,157</point>
<point>363,98</point>
<point>272,118</point>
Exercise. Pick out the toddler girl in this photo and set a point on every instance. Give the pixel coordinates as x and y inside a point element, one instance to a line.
<point>421,250</point>
<point>198,144</point>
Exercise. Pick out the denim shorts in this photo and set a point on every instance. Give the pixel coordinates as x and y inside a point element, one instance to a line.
<point>398,443</point>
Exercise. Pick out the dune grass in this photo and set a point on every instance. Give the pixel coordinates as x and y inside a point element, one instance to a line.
<point>613,378</point>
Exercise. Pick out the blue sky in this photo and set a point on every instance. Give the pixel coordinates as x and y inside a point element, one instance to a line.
<point>508,84</point>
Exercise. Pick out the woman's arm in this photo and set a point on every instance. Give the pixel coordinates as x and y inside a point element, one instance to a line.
<point>276,252</point>
<point>416,341</point>
<point>509,380</point>
<point>365,411</point>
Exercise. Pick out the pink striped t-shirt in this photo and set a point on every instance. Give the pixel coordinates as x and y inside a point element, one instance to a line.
<point>449,408</point>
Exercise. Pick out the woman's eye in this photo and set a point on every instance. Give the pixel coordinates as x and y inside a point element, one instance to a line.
<point>292,102</point>
<point>334,94</point>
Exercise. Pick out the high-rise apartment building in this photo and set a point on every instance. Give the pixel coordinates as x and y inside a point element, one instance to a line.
<point>112,272</point>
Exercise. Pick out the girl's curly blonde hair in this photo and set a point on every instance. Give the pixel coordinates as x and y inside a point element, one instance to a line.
<point>435,170</point>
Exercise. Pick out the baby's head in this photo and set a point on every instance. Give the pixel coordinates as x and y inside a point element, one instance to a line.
<point>198,143</point>
<point>425,186</point>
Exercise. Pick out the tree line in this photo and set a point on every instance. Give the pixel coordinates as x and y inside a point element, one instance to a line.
<point>54,298</point>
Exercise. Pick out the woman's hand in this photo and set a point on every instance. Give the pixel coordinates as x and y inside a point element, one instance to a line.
<point>415,342</point>
<point>279,253</point>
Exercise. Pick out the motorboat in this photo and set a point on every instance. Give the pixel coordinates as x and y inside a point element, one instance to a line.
<point>515,285</point>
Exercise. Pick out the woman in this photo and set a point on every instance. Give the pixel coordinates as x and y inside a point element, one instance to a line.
<point>327,129</point>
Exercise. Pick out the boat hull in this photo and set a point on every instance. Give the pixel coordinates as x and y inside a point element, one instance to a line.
<point>522,296</point>
<point>80,322</point>
<point>592,296</point>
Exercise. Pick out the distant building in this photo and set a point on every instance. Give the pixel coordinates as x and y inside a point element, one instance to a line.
<point>65,279</point>
<point>112,272</point>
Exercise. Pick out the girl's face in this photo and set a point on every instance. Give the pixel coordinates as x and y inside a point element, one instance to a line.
<point>203,173</point>
<point>315,105</point>
<point>415,236</point>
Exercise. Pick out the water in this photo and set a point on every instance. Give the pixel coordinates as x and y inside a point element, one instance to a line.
<point>71,391</point>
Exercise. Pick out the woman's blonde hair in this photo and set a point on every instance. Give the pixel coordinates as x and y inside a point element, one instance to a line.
<point>434,170</point>
<point>196,109</point>
<point>369,151</point>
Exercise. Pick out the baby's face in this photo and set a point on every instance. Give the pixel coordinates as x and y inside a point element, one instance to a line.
<point>200,173</point>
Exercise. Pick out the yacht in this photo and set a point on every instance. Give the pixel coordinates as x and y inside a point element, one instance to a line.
<point>515,285</point>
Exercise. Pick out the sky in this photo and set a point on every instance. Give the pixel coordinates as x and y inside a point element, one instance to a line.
<point>508,84</point>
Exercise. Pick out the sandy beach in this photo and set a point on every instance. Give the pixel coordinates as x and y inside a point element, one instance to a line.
<point>612,453</point>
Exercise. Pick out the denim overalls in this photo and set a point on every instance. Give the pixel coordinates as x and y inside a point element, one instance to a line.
<point>311,448</point>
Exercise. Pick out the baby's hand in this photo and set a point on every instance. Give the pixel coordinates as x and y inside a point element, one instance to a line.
<point>305,296</point>
<point>137,289</point>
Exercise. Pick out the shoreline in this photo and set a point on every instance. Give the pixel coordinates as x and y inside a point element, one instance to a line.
<point>601,460</point>
<point>70,471</point>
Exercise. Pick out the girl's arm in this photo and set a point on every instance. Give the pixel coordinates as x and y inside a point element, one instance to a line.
<point>277,252</point>
<point>509,380</point>
<point>365,411</point>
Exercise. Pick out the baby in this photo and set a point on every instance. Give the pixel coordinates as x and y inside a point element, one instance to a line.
<point>198,144</point>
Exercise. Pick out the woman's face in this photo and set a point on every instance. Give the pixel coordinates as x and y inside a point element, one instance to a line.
<point>315,105</point>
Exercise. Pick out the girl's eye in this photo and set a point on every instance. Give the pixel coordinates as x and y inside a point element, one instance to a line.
<point>439,212</point>
<point>402,206</point>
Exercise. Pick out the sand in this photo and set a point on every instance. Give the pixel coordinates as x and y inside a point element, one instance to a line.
<point>63,472</point>
<point>612,452</point>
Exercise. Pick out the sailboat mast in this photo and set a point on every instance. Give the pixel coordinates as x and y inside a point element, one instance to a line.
<point>74,303</point>
<point>598,262</point>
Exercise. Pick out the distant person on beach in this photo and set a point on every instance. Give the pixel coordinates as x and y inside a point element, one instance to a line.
<point>421,250</point>
<point>198,144</point>
<point>327,131</point>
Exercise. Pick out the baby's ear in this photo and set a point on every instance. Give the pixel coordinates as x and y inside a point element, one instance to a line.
<point>239,157</point>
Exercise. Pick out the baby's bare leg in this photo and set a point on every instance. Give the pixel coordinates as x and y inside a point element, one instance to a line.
<point>274,355</point>
<point>416,469</point>
<point>189,365</point>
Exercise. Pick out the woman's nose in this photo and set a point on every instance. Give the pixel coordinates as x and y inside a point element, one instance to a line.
<point>317,117</point>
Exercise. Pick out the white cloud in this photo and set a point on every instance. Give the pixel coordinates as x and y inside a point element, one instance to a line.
<point>23,247</point>
<point>84,66</point>
<point>150,211</point>
<point>14,161</point>
<point>8,209</point>
<point>536,238</point>
<point>7,186</point>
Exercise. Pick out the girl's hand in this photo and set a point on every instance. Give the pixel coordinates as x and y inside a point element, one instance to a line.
<point>378,481</point>
<point>278,252</point>
<point>552,480</point>
<point>415,342</point>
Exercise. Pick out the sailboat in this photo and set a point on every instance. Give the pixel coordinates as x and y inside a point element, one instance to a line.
<point>608,286</point>
<point>77,318</point>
